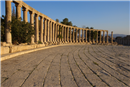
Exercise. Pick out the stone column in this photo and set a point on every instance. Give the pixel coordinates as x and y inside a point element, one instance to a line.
<point>41,29</point>
<point>70,35</point>
<point>32,23</point>
<point>93,37</point>
<point>76,35</point>
<point>103,36</point>
<point>90,36</point>
<point>25,10</point>
<point>112,37</point>
<point>100,36</point>
<point>53,32</point>
<point>107,37</point>
<point>18,11</point>
<point>37,28</point>
<point>62,33</point>
<point>50,31</point>
<point>73,35</point>
<point>79,36</point>
<point>8,20</point>
<point>65,34</point>
<point>82,35</point>
<point>97,37</point>
<point>86,36</point>
<point>45,29</point>
<point>58,33</point>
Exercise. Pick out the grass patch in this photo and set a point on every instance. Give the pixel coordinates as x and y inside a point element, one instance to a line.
<point>95,63</point>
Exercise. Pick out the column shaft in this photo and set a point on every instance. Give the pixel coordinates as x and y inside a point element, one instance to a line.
<point>76,35</point>
<point>45,28</point>
<point>56,32</point>
<point>32,23</point>
<point>65,34</point>
<point>107,37</point>
<point>103,36</point>
<point>36,27</point>
<point>97,37</point>
<point>50,31</point>
<point>62,33</point>
<point>25,14</point>
<point>70,35</point>
<point>86,36</point>
<point>82,35</point>
<point>18,10</point>
<point>8,20</point>
<point>53,32</point>
<point>90,36</point>
<point>112,37</point>
<point>41,30</point>
<point>100,36</point>
<point>73,34</point>
<point>93,37</point>
<point>79,36</point>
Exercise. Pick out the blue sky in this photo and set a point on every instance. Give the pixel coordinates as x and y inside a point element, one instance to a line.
<point>105,15</point>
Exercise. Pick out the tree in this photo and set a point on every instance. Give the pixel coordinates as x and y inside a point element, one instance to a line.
<point>21,31</point>
<point>3,28</point>
<point>66,22</point>
<point>91,28</point>
<point>87,27</point>
<point>57,20</point>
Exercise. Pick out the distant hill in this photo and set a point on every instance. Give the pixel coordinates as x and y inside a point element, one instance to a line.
<point>118,35</point>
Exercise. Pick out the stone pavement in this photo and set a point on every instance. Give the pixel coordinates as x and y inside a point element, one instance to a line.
<point>69,66</point>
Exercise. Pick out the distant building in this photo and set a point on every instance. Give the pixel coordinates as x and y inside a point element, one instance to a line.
<point>124,40</point>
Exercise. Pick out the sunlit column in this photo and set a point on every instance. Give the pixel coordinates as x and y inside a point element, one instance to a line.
<point>41,29</point>
<point>90,36</point>
<point>58,33</point>
<point>112,37</point>
<point>79,36</point>
<point>76,35</point>
<point>37,27</point>
<point>93,37</point>
<point>73,35</point>
<point>103,36</point>
<point>70,34</point>
<point>8,20</point>
<point>100,37</point>
<point>53,32</point>
<point>32,23</point>
<point>107,37</point>
<point>65,34</point>
<point>50,31</point>
<point>82,35</point>
<point>45,29</point>
<point>97,37</point>
<point>18,10</point>
<point>86,35</point>
<point>62,33</point>
<point>25,10</point>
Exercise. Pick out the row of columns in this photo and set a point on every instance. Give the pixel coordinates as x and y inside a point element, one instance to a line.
<point>51,29</point>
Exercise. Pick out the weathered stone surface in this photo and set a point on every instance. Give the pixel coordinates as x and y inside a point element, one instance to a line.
<point>4,50</point>
<point>70,65</point>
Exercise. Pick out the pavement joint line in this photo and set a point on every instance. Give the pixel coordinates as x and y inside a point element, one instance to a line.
<point>91,69</point>
<point>10,55</point>
<point>48,71</point>
<point>111,68</point>
<point>82,71</point>
<point>112,61</point>
<point>71,71</point>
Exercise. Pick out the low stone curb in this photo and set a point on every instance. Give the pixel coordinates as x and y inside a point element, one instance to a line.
<point>10,55</point>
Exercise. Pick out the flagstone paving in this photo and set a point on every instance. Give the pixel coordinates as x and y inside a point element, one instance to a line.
<point>69,66</point>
